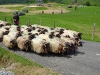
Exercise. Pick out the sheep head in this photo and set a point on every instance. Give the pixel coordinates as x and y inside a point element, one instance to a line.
<point>6,32</point>
<point>26,44</point>
<point>12,43</point>
<point>18,34</point>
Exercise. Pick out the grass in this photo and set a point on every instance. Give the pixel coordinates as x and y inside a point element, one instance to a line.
<point>24,66</point>
<point>6,56</point>
<point>81,20</point>
<point>15,8</point>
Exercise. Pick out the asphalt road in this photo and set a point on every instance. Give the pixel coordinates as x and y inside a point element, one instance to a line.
<point>86,61</point>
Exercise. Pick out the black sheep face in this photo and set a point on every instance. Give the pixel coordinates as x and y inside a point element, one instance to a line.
<point>45,30</point>
<point>26,45</point>
<point>7,28</point>
<point>58,35</point>
<point>1,25</point>
<point>33,28</point>
<point>13,42</point>
<point>18,34</point>
<point>6,32</point>
<point>80,35</point>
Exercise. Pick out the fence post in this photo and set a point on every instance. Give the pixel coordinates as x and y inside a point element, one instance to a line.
<point>61,11</point>
<point>12,21</point>
<point>54,25</point>
<point>28,22</point>
<point>40,22</point>
<point>5,19</point>
<point>93,30</point>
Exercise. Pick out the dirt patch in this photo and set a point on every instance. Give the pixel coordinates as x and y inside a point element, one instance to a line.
<point>50,11</point>
<point>3,9</point>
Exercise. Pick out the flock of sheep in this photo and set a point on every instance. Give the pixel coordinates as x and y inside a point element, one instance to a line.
<point>40,39</point>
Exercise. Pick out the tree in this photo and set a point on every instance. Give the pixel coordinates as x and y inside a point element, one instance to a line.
<point>87,3</point>
<point>45,1</point>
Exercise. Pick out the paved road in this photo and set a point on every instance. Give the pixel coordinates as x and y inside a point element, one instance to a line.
<point>86,61</point>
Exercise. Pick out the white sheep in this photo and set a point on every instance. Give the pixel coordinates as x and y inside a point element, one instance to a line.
<point>4,23</point>
<point>71,43</point>
<point>3,31</point>
<point>39,45</point>
<point>56,46</point>
<point>23,43</point>
<point>8,41</point>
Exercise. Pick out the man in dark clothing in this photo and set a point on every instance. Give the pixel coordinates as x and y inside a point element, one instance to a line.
<point>16,19</point>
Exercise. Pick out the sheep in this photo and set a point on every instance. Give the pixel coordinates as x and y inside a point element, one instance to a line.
<point>26,31</point>
<point>6,27</point>
<point>24,42</point>
<point>8,41</point>
<point>15,28</point>
<point>73,35</point>
<point>56,46</point>
<point>23,27</point>
<point>4,23</point>
<point>71,44</point>
<point>14,34</point>
<point>39,45</point>
<point>3,32</point>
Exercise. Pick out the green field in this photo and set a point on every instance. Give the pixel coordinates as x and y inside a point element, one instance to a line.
<point>81,20</point>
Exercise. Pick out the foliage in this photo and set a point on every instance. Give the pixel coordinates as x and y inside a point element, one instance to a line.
<point>87,3</point>
<point>13,1</point>
<point>45,1</point>
<point>80,2</point>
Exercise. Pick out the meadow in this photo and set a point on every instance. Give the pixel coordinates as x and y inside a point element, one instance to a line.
<point>81,20</point>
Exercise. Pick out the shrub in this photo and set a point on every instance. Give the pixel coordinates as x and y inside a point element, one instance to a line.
<point>87,3</point>
<point>69,6</point>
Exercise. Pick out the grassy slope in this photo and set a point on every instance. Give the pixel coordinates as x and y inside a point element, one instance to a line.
<point>24,66</point>
<point>93,2</point>
<point>81,20</point>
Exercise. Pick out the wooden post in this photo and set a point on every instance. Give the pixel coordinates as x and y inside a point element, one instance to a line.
<point>61,11</point>
<point>54,25</point>
<point>40,22</point>
<point>5,19</point>
<point>93,30</point>
<point>28,23</point>
<point>12,21</point>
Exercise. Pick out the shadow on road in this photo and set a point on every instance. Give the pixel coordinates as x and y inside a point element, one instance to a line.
<point>68,55</point>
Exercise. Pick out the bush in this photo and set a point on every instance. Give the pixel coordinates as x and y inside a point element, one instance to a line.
<point>69,6</point>
<point>87,3</point>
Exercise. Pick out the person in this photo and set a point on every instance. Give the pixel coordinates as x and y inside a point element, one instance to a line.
<point>16,19</point>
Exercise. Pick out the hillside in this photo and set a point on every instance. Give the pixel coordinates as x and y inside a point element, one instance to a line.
<point>92,2</point>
